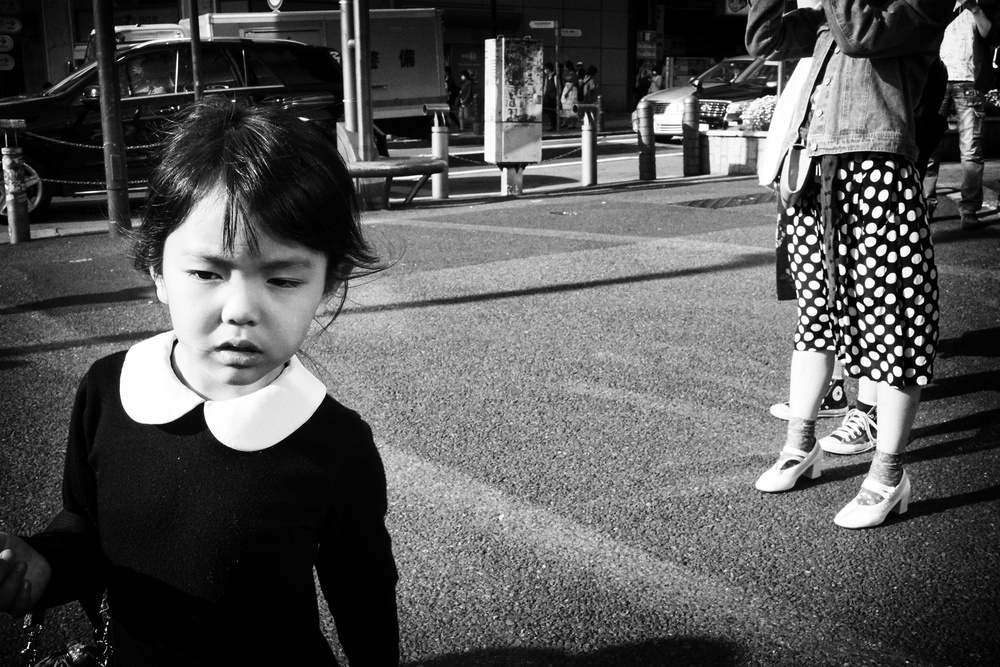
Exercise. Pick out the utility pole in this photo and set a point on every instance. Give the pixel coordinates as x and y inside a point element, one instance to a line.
<point>115,172</point>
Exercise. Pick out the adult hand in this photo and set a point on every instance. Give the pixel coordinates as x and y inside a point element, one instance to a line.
<point>24,574</point>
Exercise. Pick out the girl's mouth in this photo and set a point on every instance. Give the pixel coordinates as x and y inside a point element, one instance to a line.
<point>239,353</point>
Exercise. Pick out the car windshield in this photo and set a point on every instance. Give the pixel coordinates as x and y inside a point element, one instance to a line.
<point>760,73</point>
<point>70,80</point>
<point>724,72</point>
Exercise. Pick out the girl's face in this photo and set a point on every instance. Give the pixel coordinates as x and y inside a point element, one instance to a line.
<point>238,316</point>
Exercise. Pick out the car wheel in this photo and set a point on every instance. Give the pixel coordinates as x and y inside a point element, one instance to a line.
<point>39,193</point>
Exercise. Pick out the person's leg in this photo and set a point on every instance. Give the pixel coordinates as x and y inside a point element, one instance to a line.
<point>969,109</point>
<point>934,161</point>
<point>813,357</point>
<point>809,378</point>
<point>905,362</point>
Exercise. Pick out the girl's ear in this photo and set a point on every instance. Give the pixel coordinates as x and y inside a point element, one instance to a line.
<point>161,288</point>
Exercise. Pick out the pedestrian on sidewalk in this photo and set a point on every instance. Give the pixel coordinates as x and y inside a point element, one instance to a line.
<point>589,86</point>
<point>453,90</point>
<point>550,96</point>
<point>859,244</point>
<point>467,101</point>
<point>569,96</point>
<point>208,474</point>
<point>964,50</point>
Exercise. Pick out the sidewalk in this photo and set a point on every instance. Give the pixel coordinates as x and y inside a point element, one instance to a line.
<point>614,124</point>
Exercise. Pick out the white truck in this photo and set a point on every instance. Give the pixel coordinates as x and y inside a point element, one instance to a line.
<point>406,55</point>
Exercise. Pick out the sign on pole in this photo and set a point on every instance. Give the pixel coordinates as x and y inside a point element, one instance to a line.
<point>542,25</point>
<point>571,32</point>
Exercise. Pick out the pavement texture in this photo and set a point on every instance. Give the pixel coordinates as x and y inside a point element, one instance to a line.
<point>570,392</point>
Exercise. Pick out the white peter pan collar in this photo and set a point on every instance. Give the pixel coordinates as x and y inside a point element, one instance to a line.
<point>152,394</point>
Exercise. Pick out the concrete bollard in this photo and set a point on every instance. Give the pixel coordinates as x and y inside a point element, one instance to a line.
<point>588,143</point>
<point>691,139</point>
<point>16,199</point>
<point>439,147</point>
<point>647,142</point>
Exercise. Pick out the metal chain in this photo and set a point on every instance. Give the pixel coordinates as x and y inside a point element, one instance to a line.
<point>97,183</point>
<point>42,137</point>
<point>568,153</point>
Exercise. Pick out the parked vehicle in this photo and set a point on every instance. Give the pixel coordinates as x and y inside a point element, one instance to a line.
<point>406,55</point>
<point>134,34</point>
<point>720,104</point>
<point>63,144</point>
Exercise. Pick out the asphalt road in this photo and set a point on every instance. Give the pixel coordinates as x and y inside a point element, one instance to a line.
<point>570,392</point>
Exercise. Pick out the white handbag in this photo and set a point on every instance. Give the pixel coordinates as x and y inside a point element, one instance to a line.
<point>769,164</point>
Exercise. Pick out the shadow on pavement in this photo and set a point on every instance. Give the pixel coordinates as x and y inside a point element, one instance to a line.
<point>129,294</point>
<point>981,343</point>
<point>749,260</point>
<point>676,652</point>
<point>40,348</point>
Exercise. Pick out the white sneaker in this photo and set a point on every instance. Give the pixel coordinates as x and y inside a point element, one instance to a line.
<point>834,403</point>
<point>856,434</point>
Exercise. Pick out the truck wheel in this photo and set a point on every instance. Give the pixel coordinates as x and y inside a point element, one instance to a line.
<point>38,191</point>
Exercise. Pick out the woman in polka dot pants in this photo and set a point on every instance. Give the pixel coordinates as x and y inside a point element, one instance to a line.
<point>857,235</point>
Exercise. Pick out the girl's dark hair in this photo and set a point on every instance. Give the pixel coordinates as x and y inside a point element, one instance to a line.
<point>279,176</point>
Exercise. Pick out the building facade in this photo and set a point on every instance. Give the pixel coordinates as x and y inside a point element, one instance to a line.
<point>619,37</point>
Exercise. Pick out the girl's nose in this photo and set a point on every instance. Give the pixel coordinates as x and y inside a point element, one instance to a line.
<point>241,305</point>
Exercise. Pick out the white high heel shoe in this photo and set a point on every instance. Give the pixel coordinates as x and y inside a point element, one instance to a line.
<point>779,478</point>
<point>894,499</point>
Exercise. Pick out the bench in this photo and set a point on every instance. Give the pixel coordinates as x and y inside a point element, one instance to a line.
<point>388,168</point>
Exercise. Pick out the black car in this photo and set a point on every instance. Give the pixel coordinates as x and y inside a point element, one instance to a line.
<point>63,144</point>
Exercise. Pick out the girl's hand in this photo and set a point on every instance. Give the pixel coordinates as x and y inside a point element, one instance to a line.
<point>24,574</point>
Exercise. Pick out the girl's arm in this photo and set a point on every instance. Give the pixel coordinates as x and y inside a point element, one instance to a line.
<point>773,34</point>
<point>70,543</point>
<point>355,565</point>
<point>889,28</point>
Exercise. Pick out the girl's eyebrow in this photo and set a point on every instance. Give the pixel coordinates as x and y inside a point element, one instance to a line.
<point>227,261</point>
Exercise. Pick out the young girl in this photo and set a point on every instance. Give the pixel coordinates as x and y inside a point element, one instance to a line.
<point>208,472</point>
<point>859,244</point>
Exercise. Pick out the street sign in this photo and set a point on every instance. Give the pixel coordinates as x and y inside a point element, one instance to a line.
<point>10,25</point>
<point>6,43</point>
<point>571,32</point>
<point>539,25</point>
<point>10,6</point>
<point>6,62</point>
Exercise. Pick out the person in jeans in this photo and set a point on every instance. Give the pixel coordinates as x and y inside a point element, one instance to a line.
<point>859,243</point>
<point>963,52</point>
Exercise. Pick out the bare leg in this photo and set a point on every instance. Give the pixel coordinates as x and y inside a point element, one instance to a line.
<point>897,408</point>
<point>810,377</point>
<point>868,391</point>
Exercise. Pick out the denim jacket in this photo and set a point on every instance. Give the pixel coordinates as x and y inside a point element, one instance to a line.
<point>870,61</point>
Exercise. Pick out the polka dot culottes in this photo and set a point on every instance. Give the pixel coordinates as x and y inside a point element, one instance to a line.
<point>883,319</point>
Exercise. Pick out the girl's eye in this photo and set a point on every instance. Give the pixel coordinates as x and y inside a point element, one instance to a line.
<point>285,282</point>
<point>203,275</point>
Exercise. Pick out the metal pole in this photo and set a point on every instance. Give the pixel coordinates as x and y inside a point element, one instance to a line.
<point>588,143</point>
<point>559,81</point>
<point>647,142</point>
<point>348,52</point>
<point>115,172</point>
<point>366,146</point>
<point>691,139</point>
<point>17,200</point>
<point>195,50</point>
<point>439,147</point>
